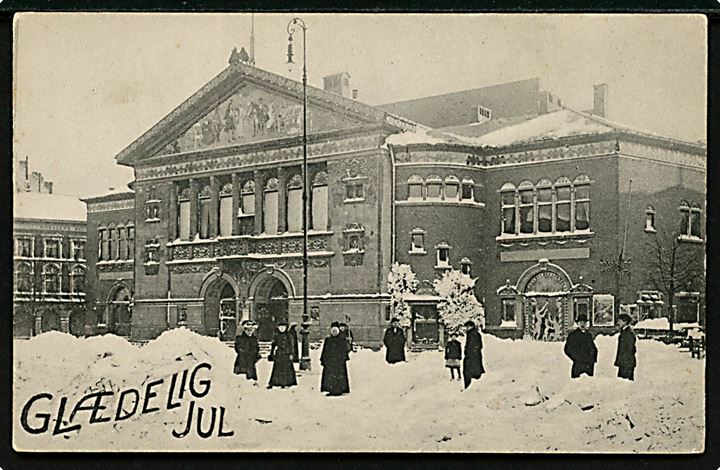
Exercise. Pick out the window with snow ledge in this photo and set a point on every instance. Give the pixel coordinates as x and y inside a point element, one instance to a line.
<point>417,242</point>
<point>152,205</point>
<point>650,219</point>
<point>690,222</point>
<point>509,314</point>
<point>443,256</point>
<point>354,239</point>
<point>354,189</point>
<point>545,209</point>
<point>466,266</point>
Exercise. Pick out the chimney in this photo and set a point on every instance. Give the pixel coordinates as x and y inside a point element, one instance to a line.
<point>354,93</point>
<point>338,83</point>
<point>49,187</point>
<point>600,100</point>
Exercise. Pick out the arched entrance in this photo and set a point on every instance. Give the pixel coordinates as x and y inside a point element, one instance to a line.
<point>118,314</point>
<point>546,291</point>
<point>270,305</point>
<point>220,308</point>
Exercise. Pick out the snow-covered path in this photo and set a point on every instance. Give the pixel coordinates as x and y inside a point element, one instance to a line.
<point>410,406</point>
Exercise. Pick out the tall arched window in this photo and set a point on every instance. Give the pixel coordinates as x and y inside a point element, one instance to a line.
<point>527,207</point>
<point>544,206</point>
<point>204,211</point>
<point>246,211</point>
<point>320,201</point>
<point>130,240</point>
<point>51,279</point>
<point>270,207</point>
<point>112,242</point>
<point>122,244</point>
<point>562,207</point>
<point>581,186</point>
<point>415,188</point>
<point>77,279</point>
<point>507,196</point>
<point>103,244</point>
<point>226,210</point>
<point>695,220</point>
<point>433,187</point>
<point>23,277</point>
<point>184,217</point>
<point>452,188</point>
<point>294,204</point>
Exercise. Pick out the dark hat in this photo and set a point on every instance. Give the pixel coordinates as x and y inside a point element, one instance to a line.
<point>343,324</point>
<point>246,323</point>
<point>581,317</point>
<point>395,319</point>
<point>470,324</point>
<point>282,322</point>
<point>625,317</point>
<point>335,325</point>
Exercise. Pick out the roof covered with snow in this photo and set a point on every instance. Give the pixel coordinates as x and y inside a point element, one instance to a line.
<point>48,207</point>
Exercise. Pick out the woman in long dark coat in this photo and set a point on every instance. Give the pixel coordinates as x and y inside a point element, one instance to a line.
<point>394,342</point>
<point>472,362</point>
<point>333,358</point>
<point>293,334</point>
<point>248,351</point>
<point>281,353</point>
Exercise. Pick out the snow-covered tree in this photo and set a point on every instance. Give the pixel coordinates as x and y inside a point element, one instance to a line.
<point>458,303</point>
<point>401,283</point>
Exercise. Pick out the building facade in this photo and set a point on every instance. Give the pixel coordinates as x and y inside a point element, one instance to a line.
<point>49,264</point>
<point>532,199</point>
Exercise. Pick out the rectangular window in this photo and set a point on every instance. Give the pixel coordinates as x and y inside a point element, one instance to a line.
<point>23,247</point>
<point>451,191</point>
<point>184,222</point>
<point>527,212</point>
<point>582,207</point>
<point>294,210</point>
<point>650,221</point>
<point>415,191</point>
<point>508,212</point>
<point>354,239</point>
<point>78,248</point>
<point>443,257</point>
<point>152,211</point>
<point>320,207</point>
<point>418,242</point>
<point>270,213</point>
<point>226,219</point>
<point>114,244</point>
<point>508,313</point>
<point>52,248</point>
<point>695,224</point>
<point>562,223</point>
<point>104,245</point>
<point>247,208</point>
<point>354,190</point>
<point>467,192</point>
<point>466,268</point>
<point>131,242</point>
<point>204,217</point>
<point>433,190</point>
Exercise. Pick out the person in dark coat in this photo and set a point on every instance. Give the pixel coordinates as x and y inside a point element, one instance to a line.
<point>293,334</point>
<point>394,341</point>
<point>281,355</point>
<point>472,363</point>
<point>346,333</point>
<point>625,359</point>
<point>453,354</point>
<point>248,352</point>
<point>580,348</point>
<point>333,358</point>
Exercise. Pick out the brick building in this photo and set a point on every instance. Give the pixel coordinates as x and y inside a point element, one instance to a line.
<point>503,183</point>
<point>48,262</point>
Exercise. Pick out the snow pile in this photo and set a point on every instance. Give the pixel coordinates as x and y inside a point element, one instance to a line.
<point>663,324</point>
<point>526,401</point>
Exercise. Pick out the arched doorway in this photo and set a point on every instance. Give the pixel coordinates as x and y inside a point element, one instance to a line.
<point>118,312</point>
<point>270,306</point>
<point>220,309</point>
<point>546,292</point>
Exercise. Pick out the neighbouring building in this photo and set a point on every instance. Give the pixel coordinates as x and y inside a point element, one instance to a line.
<point>533,199</point>
<point>49,237</point>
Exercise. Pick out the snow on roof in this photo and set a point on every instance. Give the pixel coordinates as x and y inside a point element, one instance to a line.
<point>48,207</point>
<point>111,192</point>
<point>419,136</point>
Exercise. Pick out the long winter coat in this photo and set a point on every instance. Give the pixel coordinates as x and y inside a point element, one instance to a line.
<point>473,363</point>
<point>281,352</point>
<point>581,350</point>
<point>294,336</point>
<point>333,358</point>
<point>248,353</point>
<point>394,342</point>
<point>625,359</point>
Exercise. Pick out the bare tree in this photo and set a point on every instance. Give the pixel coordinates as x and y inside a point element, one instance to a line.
<point>676,265</point>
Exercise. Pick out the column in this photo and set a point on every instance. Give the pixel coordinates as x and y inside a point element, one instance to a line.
<point>214,206</point>
<point>282,200</point>
<point>193,208</point>
<point>172,212</point>
<point>259,200</point>
<point>235,204</point>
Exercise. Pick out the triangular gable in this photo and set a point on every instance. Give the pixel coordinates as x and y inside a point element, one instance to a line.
<point>244,104</point>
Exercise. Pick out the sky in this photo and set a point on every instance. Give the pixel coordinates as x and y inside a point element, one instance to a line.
<point>87,85</point>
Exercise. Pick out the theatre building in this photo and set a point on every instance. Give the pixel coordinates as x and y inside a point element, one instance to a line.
<point>503,183</point>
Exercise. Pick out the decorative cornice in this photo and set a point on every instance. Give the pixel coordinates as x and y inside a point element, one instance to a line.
<point>109,206</point>
<point>20,225</point>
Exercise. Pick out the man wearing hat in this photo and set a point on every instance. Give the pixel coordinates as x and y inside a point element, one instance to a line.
<point>394,341</point>
<point>580,348</point>
<point>625,359</point>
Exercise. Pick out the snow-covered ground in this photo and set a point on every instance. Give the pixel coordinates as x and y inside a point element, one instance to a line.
<point>526,401</point>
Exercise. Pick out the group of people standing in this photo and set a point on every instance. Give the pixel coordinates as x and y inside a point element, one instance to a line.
<point>580,348</point>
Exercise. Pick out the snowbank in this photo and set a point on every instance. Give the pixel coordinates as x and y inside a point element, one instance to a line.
<point>526,401</point>
<point>663,324</point>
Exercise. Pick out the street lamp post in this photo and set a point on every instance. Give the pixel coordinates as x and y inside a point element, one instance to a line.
<point>292,27</point>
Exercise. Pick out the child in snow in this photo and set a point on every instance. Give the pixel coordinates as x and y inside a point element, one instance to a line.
<point>453,356</point>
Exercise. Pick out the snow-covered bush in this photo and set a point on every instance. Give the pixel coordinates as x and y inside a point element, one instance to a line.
<point>458,303</point>
<point>401,283</point>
